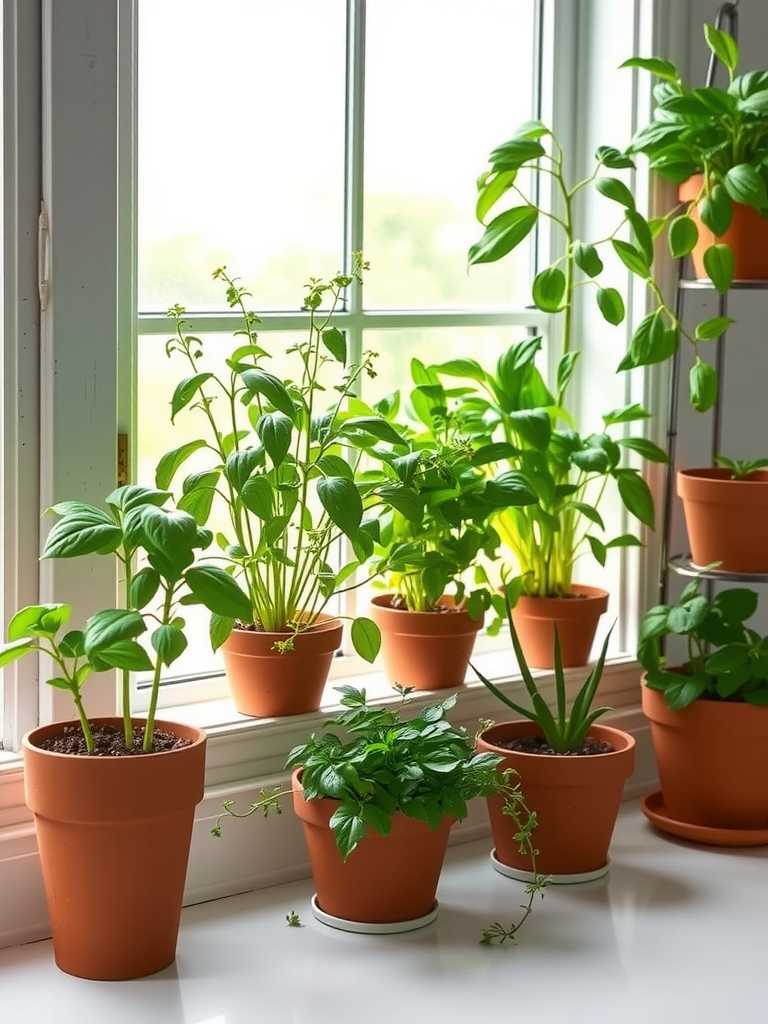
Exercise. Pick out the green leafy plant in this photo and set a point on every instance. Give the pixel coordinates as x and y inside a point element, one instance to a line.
<point>534,433</point>
<point>722,134</point>
<point>741,469</point>
<point>287,471</point>
<point>520,430</point>
<point>430,548</point>
<point>725,659</point>
<point>383,764</point>
<point>564,729</point>
<point>135,527</point>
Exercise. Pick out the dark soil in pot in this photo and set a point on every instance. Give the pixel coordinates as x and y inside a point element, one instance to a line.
<point>538,745</point>
<point>110,742</point>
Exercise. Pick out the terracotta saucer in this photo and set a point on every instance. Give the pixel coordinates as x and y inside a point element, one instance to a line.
<point>652,807</point>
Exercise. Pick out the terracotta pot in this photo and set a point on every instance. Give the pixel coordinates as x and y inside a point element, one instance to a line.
<point>576,800</point>
<point>747,236</point>
<point>576,618</point>
<point>713,761</point>
<point>114,836</point>
<point>267,684</point>
<point>726,519</point>
<point>386,879</point>
<point>425,650</point>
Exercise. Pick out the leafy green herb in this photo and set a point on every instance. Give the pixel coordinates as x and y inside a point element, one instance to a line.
<point>725,660</point>
<point>741,468</point>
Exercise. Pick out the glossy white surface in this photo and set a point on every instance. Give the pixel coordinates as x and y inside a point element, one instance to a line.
<point>674,933</point>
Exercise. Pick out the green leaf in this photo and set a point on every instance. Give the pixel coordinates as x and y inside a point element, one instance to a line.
<point>199,492</point>
<point>549,289</point>
<point>723,46</point>
<point>616,190</point>
<point>126,655</point>
<point>462,368</point>
<point>565,369</point>
<point>716,210</point>
<point>131,496</point>
<point>259,382</point>
<point>632,258</point>
<point>241,464</point>
<point>645,448</point>
<point>84,530</point>
<point>336,344</point>
<point>109,627</point>
<point>663,69</point>
<point>636,495</point>
<point>171,534</point>
<point>348,828</point>
<point>513,154</point>
<point>627,414</point>
<point>366,638</point>
<point>15,649</point>
<point>341,500</point>
<point>709,330</point>
<point>169,642</point>
<point>275,430</point>
<point>220,594</point>
<point>38,620</point>
<point>221,626</point>
<point>586,258</point>
<point>702,386</point>
<point>533,426</point>
<point>611,157</point>
<point>745,185</point>
<point>144,586</point>
<point>611,305</point>
<point>719,265</point>
<point>490,190</point>
<point>503,234</point>
<point>683,236</point>
<point>185,391</point>
<point>372,426</point>
<point>258,497</point>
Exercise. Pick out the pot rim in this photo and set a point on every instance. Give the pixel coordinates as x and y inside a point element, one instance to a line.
<point>197,737</point>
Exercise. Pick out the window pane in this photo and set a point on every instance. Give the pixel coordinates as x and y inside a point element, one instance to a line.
<point>241,147</point>
<point>443,87</point>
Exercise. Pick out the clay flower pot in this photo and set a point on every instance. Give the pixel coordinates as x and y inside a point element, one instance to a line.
<point>386,879</point>
<point>114,836</point>
<point>576,800</point>
<point>712,758</point>
<point>747,236</point>
<point>267,684</point>
<point>576,618</point>
<point>425,650</point>
<point>726,519</point>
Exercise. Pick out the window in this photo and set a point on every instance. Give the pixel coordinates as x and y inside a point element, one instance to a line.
<point>381,154</point>
<point>369,131</point>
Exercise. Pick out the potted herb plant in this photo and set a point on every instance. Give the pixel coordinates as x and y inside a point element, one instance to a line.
<point>713,143</point>
<point>709,717</point>
<point>432,613</point>
<point>726,510</point>
<point>511,417</point>
<point>114,798</point>
<point>377,803</point>
<point>534,433</point>
<point>574,772</point>
<point>284,473</point>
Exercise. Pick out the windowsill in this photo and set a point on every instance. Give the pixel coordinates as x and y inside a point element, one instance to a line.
<point>221,719</point>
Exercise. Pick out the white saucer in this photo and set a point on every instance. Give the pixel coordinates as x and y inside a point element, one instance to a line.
<point>528,876</point>
<point>366,928</point>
